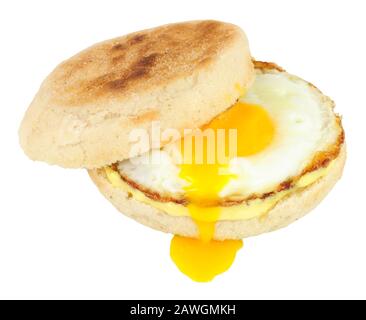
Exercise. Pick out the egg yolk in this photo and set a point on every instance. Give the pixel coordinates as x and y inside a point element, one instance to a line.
<point>206,175</point>
<point>202,261</point>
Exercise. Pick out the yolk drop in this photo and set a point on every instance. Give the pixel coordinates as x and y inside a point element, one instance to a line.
<point>203,258</point>
<point>202,261</point>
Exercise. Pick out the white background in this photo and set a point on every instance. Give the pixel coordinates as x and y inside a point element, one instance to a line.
<point>59,238</point>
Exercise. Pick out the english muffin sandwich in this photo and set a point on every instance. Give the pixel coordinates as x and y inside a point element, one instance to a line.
<point>182,131</point>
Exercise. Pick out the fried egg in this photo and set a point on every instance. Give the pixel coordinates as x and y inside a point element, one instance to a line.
<point>301,128</point>
<point>280,126</point>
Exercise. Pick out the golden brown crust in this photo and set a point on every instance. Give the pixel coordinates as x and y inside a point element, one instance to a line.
<point>132,63</point>
<point>181,75</point>
<point>322,159</point>
<point>263,65</point>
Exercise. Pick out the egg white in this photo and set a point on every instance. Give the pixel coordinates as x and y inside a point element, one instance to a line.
<point>304,125</point>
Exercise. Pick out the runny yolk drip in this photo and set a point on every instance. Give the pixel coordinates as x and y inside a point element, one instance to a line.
<point>206,175</point>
